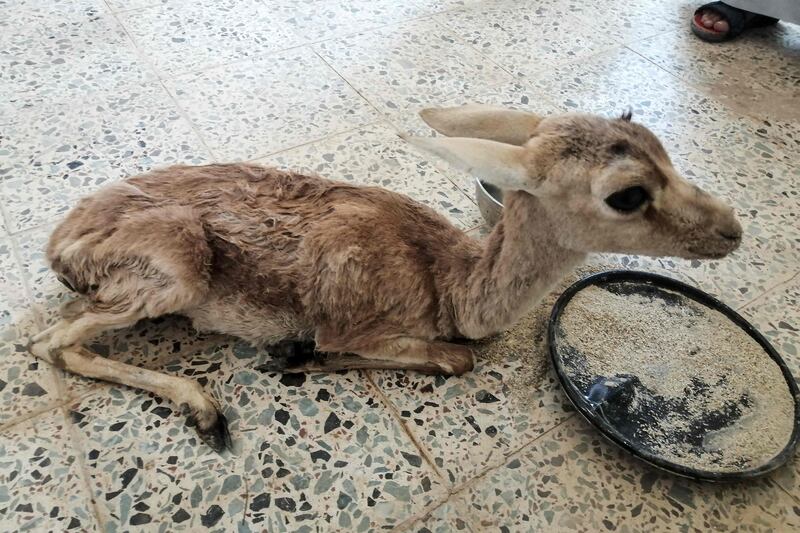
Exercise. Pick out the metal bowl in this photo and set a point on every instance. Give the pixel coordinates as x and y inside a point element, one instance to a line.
<point>490,201</point>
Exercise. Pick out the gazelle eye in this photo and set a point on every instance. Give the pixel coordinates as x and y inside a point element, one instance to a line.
<point>628,200</point>
<point>620,148</point>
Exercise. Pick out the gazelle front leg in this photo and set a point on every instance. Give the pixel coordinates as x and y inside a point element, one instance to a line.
<point>60,346</point>
<point>204,412</point>
<point>397,353</point>
<point>68,311</point>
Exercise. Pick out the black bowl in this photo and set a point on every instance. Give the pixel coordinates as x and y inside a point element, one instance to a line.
<point>614,427</point>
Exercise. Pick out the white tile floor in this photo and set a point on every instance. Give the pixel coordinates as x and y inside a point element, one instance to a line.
<point>93,90</point>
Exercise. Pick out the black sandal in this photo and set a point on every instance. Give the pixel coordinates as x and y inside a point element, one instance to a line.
<point>738,20</point>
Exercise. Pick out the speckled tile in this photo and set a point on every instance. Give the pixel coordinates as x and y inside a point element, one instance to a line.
<point>149,343</point>
<point>451,516</point>
<point>130,5</point>
<point>26,385</point>
<point>377,156</point>
<point>470,423</point>
<point>314,20</point>
<point>80,105</point>
<point>751,76</point>
<point>436,6</point>
<point>687,120</point>
<point>524,41</point>
<point>41,488</point>
<point>180,36</point>
<point>62,53</point>
<point>50,158</point>
<point>311,452</point>
<point>248,110</point>
<point>397,68</point>
<point>574,480</point>
<point>777,316</point>
<point>760,263</point>
<point>629,21</point>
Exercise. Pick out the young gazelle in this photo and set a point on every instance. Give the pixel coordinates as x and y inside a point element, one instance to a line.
<point>374,278</point>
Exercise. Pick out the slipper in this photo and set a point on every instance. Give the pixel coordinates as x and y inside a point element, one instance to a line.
<point>738,20</point>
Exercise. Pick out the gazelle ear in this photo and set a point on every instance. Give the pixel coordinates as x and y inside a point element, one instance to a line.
<point>498,163</point>
<point>483,122</point>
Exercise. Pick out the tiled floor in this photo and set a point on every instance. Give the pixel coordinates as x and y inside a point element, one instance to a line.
<point>93,90</point>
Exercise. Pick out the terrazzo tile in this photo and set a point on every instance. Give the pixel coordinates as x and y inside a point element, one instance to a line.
<point>436,6</point>
<point>41,486</point>
<point>760,263</point>
<point>450,516</point>
<point>777,316</point>
<point>398,67</point>
<point>150,343</point>
<point>62,52</point>
<point>572,479</point>
<point>377,156</point>
<point>686,120</point>
<point>51,157</point>
<point>26,385</point>
<point>523,41</point>
<point>751,76</point>
<point>181,36</point>
<point>130,5</point>
<point>472,422</point>
<point>334,458</point>
<point>630,21</point>
<point>314,20</point>
<point>247,110</point>
<point>312,452</point>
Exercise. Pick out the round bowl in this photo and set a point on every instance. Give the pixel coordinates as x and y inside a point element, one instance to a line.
<point>618,419</point>
<point>490,201</point>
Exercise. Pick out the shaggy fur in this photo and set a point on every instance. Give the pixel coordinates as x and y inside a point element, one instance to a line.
<point>371,275</point>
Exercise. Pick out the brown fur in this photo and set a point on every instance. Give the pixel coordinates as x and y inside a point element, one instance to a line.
<point>269,255</point>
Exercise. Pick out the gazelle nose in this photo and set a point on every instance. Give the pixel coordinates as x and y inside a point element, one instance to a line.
<point>731,236</point>
<point>730,229</point>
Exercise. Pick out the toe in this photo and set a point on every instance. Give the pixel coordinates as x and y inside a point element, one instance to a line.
<point>721,26</point>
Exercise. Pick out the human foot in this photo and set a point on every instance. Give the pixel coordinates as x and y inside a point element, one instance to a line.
<point>713,20</point>
<point>717,21</point>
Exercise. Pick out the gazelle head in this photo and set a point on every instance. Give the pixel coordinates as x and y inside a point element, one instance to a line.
<point>607,184</point>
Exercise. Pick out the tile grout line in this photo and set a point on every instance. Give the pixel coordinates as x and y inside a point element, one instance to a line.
<point>348,82</point>
<point>384,118</point>
<point>5,217</point>
<point>151,66</point>
<point>39,323</point>
<point>267,54</point>
<point>410,434</point>
<point>794,497</point>
<point>454,491</point>
<point>78,445</point>
<point>773,288</point>
<point>320,139</point>
<point>14,422</point>
<point>433,163</point>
